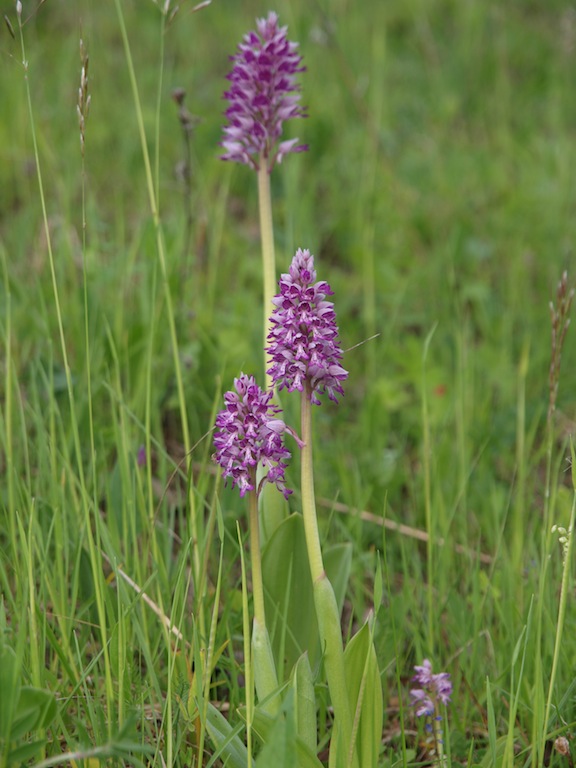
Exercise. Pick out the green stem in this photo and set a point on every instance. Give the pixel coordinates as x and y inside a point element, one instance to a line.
<point>426,451</point>
<point>268,257</point>
<point>564,590</point>
<point>272,507</point>
<point>161,249</point>
<point>325,603</point>
<point>256,560</point>
<point>438,741</point>
<point>265,677</point>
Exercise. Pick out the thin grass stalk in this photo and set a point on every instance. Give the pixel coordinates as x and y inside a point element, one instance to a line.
<point>519,505</point>
<point>83,107</point>
<point>92,544</point>
<point>209,657</point>
<point>560,322</point>
<point>426,460</point>
<point>172,650</point>
<point>462,346</point>
<point>367,213</point>
<point>397,655</point>
<point>152,197</point>
<point>7,410</point>
<point>564,590</point>
<point>26,551</point>
<point>148,426</point>
<point>508,756</point>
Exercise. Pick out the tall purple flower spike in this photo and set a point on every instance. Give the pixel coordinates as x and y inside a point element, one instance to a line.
<point>433,688</point>
<point>262,95</point>
<point>303,339</point>
<point>248,433</point>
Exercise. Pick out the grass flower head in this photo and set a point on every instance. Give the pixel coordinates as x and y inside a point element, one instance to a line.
<point>304,347</point>
<point>262,95</point>
<point>249,433</point>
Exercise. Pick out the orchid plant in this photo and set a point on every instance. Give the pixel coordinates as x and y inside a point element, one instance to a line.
<point>429,696</point>
<point>303,354</point>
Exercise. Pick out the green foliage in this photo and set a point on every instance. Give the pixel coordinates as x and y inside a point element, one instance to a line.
<point>305,702</point>
<point>365,693</point>
<point>25,711</point>
<point>289,594</point>
<point>225,740</point>
<point>282,744</point>
<point>438,192</point>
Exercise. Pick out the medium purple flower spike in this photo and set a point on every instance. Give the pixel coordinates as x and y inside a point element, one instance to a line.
<point>303,339</point>
<point>433,688</point>
<point>249,433</point>
<point>262,95</point>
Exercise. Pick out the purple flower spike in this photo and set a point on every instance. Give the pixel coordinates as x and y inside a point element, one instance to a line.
<point>433,688</point>
<point>249,433</point>
<point>304,345</point>
<point>263,94</point>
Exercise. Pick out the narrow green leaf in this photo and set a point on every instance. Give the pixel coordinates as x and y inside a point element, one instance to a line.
<point>365,691</point>
<point>305,702</point>
<point>491,722</point>
<point>338,563</point>
<point>378,585</point>
<point>225,739</point>
<point>10,687</point>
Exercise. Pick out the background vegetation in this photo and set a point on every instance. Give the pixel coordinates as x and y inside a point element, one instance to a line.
<point>438,196</point>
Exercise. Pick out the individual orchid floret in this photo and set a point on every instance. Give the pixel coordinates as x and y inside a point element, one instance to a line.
<point>304,348</point>
<point>433,688</point>
<point>249,433</point>
<point>262,95</point>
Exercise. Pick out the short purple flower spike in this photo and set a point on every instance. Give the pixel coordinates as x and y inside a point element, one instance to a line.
<point>304,346</point>
<point>433,688</point>
<point>263,94</point>
<point>248,433</point>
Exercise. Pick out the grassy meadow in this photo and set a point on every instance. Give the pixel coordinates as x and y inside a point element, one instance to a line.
<point>438,196</point>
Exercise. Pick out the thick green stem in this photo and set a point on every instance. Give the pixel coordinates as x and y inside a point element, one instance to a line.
<point>268,257</point>
<point>265,676</point>
<point>325,603</point>
<point>272,507</point>
<point>308,496</point>
<point>256,559</point>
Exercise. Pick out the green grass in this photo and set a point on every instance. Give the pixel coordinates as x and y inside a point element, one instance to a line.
<point>438,196</point>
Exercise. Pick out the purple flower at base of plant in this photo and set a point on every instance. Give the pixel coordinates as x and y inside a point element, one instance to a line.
<point>249,433</point>
<point>262,95</point>
<point>433,688</point>
<point>303,339</point>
